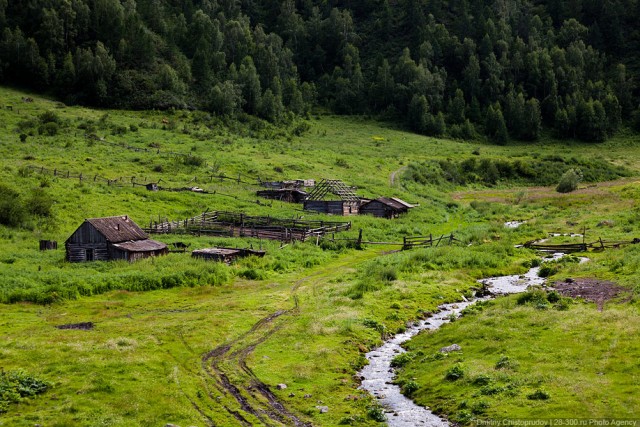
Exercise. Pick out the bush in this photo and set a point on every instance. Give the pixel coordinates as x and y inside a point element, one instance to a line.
<point>400,360</point>
<point>538,395</point>
<point>49,117</point>
<point>569,181</point>
<point>505,363</point>
<point>48,129</point>
<point>15,386</point>
<point>196,161</point>
<point>40,203</point>
<point>455,372</point>
<point>12,211</point>
<point>376,413</point>
<point>409,388</point>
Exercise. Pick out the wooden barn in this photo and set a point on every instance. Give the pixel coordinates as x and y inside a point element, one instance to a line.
<point>111,238</point>
<point>227,255</point>
<point>291,195</point>
<point>385,207</point>
<point>333,197</point>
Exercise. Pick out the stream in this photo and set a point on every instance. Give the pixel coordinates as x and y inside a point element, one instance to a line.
<point>378,375</point>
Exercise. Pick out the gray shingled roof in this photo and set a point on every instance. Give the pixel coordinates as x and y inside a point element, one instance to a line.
<point>141,246</point>
<point>118,229</point>
<point>393,202</point>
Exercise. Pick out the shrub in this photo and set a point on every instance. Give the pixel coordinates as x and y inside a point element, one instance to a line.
<point>376,413</point>
<point>12,212</point>
<point>400,360</point>
<point>538,395</point>
<point>409,388</point>
<point>196,161</point>
<point>569,181</point>
<point>505,363</point>
<point>15,386</point>
<point>455,372</point>
<point>49,117</point>
<point>48,129</point>
<point>40,203</point>
<point>482,380</point>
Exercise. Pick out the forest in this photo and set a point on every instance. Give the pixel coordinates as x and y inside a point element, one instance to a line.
<point>501,69</point>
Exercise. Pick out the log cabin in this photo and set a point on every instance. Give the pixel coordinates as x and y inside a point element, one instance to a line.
<point>111,238</point>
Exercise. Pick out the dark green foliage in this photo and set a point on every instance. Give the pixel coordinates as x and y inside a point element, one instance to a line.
<point>541,171</point>
<point>545,65</point>
<point>505,363</point>
<point>410,387</point>
<point>538,395</point>
<point>40,203</point>
<point>16,386</point>
<point>454,373</point>
<point>195,161</point>
<point>569,181</point>
<point>12,211</point>
<point>376,414</point>
<point>402,359</point>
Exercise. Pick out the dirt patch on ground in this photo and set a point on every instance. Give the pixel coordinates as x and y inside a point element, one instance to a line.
<point>85,326</point>
<point>594,290</point>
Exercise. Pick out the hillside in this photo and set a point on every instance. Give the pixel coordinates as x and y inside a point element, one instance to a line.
<point>502,69</point>
<point>211,342</point>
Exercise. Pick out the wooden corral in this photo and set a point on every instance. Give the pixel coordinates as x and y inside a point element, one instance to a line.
<point>385,207</point>
<point>227,255</point>
<point>111,238</point>
<point>241,225</point>
<point>333,197</point>
<point>290,195</point>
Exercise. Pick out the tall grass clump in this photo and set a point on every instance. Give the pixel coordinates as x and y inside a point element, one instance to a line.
<point>374,276</point>
<point>75,281</point>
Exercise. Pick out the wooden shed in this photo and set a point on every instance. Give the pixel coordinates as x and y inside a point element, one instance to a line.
<point>111,238</point>
<point>333,197</point>
<point>385,207</point>
<point>227,255</point>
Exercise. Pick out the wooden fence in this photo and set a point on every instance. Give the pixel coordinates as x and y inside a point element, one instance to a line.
<point>410,242</point>
<point>234,224</point>
<point>598,245</point>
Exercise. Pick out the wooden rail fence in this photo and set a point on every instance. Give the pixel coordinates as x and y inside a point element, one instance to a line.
<point>410,242</point>
<point>579,247</point>
<point>235,224</point>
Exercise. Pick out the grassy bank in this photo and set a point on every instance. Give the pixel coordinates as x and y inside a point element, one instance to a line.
<point>521,361</point>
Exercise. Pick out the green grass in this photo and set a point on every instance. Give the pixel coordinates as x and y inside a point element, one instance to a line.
<point>151,343</point>
<point>519,361</point>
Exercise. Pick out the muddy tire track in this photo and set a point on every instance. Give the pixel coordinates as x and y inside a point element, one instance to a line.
<point>253,396</point>
<point>227,366</point>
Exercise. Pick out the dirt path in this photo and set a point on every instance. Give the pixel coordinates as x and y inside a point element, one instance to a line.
<point>394,174</point>
<point>227,365</point>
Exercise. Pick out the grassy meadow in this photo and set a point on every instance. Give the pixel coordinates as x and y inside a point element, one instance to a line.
<point>304,314</point>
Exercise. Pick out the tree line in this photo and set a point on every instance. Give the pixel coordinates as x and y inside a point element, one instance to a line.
<point>502,68</point>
